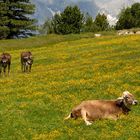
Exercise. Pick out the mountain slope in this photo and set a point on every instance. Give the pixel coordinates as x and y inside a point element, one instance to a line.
<point>113,7</point>
<point>47,8</point>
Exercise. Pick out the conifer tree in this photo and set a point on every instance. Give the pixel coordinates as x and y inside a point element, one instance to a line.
<point>71,20</point>
<point>15,18</point>
<point>101,22</point>
<point>4,30</point>
<point>129,17</point>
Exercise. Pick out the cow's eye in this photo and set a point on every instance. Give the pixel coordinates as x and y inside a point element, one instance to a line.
<point>127,97</point>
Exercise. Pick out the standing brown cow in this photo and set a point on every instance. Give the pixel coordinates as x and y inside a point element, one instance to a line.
<point>5,60</point>
<point>26,61</point>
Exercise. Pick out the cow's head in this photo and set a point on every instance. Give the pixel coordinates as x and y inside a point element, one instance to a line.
<point>28,60</point>
<point>4,61</point>
<point>127,99</point>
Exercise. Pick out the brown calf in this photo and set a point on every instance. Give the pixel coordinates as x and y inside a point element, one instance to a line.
<point>26,61</point>
<point>5,60</point>
<point>98,109</point>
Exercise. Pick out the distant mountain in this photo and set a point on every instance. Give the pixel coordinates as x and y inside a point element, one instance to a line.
<point>113,7</point>
<point>88,6</point>
<point>47,8</point>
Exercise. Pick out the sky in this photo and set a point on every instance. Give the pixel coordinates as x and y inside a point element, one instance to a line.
<point>109,7</point>
<point>104,0</point>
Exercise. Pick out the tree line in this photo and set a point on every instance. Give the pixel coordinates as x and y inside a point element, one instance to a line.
<point>16,21</point>
<point>72,20</point>
<point>129,17</point>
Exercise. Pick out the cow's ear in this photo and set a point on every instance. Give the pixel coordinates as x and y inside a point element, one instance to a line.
<point>119,102</point>
<point>125,94</point>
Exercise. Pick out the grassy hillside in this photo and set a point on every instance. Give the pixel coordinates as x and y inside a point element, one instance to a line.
<point>67,70</point>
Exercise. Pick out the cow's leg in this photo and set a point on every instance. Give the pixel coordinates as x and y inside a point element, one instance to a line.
<point>30,68</point>
<point>26,68</point>
<point>4,70</point>
<point>9,69</point>
<point>84,116</point>
<point>23,67</point>
<point>112,117</point>
<point>0,69</point>
<point>21,61</point>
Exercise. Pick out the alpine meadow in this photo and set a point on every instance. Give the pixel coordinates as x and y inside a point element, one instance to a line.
<point>67,70</point>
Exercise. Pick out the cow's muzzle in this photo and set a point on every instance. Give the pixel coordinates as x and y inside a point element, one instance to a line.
<point>135,102</point>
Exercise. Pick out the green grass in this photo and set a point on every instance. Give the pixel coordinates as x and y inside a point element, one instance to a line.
<point>67,70</point>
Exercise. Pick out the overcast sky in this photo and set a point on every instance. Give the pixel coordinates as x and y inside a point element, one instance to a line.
<point>103,0</point>
<point>110,7</point>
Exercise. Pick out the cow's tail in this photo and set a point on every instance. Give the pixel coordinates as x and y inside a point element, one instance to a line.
<point>69,116</point>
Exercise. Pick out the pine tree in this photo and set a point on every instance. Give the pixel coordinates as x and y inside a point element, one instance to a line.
<point>126,20</point>
<point>4,30</point>
<point>88,23</point>
<point>129,17</point>
<point>69,21</point>
<point>47,27</point>
<point>15,18</point>
<point>101,22</point>
<point>135,11</point>
<point>56,23</point>
<point>72,20</point>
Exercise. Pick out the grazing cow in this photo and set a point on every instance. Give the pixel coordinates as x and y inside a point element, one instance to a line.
<point>98,109</point>
<point>97,35</point>
<point>137,32</point>
<point>5,60</point>
<point>26,61</point>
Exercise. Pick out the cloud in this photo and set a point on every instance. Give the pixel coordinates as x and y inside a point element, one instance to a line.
<point>50,1</point>
<point>112,20</point>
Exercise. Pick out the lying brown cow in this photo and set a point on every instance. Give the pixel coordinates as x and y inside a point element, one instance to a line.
<point>26,61</point>
<point>5,61</point>
<point>98,109</point>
